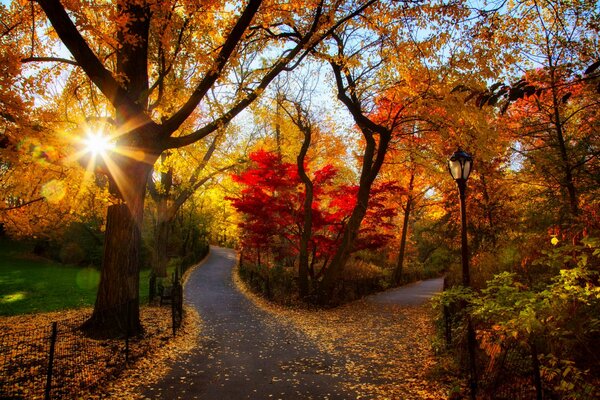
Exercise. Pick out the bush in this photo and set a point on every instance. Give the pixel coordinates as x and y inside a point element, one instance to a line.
<point>359,279</point>
<point>80,243</point>
<point>277,283</point>
<point>72,253</point>
<point>558,319</point>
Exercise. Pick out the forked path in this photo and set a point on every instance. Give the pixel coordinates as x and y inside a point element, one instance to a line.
<point>247,353</point>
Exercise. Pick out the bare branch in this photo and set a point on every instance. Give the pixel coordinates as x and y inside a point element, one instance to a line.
<point>49,59</point>
<point>234,37</point>
<point>22,205</point>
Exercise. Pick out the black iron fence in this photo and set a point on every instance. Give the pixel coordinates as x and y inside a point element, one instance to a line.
<point>57,360</point>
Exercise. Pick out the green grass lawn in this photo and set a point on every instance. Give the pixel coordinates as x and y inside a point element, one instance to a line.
<point>29,284</point>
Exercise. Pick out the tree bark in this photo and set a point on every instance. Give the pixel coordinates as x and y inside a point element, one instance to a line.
<point>556,120</point>
<point>373,157</point>
<point>407,209</point>
<point>307,225</point>
<point>372,160</point>
<point>161,239</point>
<point>116,312</point>
<point>568,182</point>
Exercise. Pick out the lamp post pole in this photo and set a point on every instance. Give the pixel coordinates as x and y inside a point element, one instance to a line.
<point>462,186</point>
<point>466,279</point>
<point>459,166</point>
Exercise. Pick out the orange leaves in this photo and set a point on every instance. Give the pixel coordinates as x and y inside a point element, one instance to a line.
<point>97,375</point>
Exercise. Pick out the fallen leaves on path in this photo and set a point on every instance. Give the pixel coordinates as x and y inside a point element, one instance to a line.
<point>156,364</point>
<point>385,349</point>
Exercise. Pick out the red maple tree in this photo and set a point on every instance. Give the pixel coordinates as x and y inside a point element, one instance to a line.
<point>271,202</point>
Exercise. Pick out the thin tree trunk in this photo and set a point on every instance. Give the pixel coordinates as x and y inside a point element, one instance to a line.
<point>161,239</point>
<point>306,233</point>
<point>373,157</point>
<point>302,121</point>
<point>560,134</point>
<point>342,254</point>
<point>488,208</point>
<point>562,147</point>
<point>400,262</point>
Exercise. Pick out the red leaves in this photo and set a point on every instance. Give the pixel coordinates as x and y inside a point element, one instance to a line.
<point>272,199</point>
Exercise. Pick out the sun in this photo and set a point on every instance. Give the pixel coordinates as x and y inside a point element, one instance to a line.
<point>98,144</point>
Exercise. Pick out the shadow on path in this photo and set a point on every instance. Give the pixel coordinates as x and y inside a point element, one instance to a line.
<point>244,353</point>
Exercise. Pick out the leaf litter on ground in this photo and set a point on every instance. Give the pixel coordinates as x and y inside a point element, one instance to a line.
<point>385,349</point>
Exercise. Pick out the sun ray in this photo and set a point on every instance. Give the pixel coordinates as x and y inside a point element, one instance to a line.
<point>100,151</point>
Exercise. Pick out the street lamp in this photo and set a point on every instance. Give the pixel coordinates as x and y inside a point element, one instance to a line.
<point>459,166</point>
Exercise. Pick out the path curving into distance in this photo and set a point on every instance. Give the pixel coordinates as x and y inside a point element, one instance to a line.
<point>413,294</point>
<point>247,353</point>
<point>244,352</point>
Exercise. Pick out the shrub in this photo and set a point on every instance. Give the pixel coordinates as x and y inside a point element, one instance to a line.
<point>72,253</point>
<point>559,319</point>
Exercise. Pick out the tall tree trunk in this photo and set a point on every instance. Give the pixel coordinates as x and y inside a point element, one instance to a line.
<point>117,304</point>
<point>562,147</point>
<point>372,160</point>
<point>302,120</point>
<point>373,157</point>
<point>407,209</point>
<point>307,226</point>
<point>161,239</point>
<point>556,120</point>
<point>116,312</point>
<point>345,247</point>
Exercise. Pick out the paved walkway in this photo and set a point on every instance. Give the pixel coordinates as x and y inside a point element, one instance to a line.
<point>246,353</point>
<point>410,295</point>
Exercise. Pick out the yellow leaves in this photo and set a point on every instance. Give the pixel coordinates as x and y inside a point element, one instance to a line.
<point>54,191</point>
<point>554,240</point>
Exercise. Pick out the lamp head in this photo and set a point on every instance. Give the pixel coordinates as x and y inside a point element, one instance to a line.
<point>460,165</point>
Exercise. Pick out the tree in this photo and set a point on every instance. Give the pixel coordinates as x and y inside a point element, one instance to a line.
<point>302,120</point>
<point>170,192</point>
<point>551,118</point>
<point>132,59</point>
<point>279,230</point>
<point>365,67</point>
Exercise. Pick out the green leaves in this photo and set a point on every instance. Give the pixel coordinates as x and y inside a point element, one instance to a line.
<point>559,317</point>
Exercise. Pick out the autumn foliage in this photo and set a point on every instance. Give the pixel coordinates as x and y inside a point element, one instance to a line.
<point>270,202</point>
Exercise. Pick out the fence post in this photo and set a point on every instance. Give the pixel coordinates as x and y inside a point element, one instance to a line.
<point>447,319</point>
<point>152,288</point>
<point>51,361</point>
<point>173,308</point>
<point>535,363</point>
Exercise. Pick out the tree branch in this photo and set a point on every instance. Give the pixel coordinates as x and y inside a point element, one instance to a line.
<point>22,205</point>
<point>86,59</point>
<point>279,66</point>
<point>49,59</point>
<point>173,123</point>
